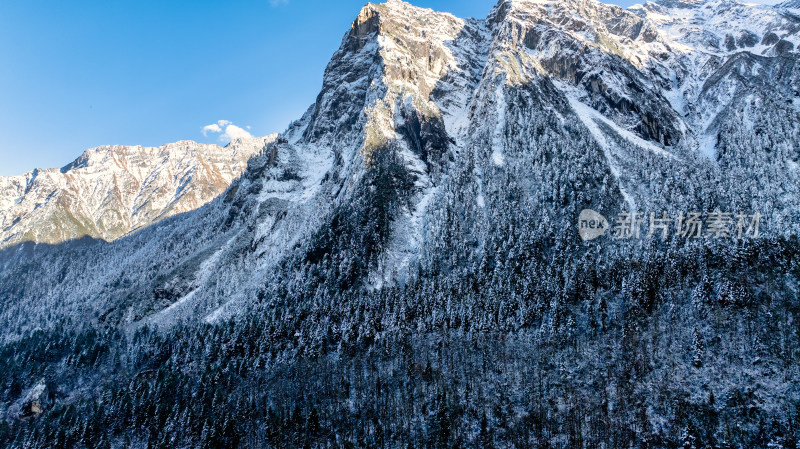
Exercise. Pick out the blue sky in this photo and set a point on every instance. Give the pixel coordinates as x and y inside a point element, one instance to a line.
<point>78,74</point>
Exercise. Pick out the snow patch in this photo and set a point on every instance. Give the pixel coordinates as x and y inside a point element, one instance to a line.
<point>587,116</point>
<point>203,273</point>
<point>406,245</point>
<point>590,118</point>
<point>592,115</point>
<point>708,146</point>
<point>676,95</point>
<point>497,143</point>
<point>214,316</point>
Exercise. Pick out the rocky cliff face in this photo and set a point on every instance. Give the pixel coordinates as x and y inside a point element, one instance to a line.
<point>111,191</point>
<point>428,132</point>
<point>433,189</point>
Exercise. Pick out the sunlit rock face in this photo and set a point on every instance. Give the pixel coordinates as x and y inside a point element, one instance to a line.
<point>111,191</point>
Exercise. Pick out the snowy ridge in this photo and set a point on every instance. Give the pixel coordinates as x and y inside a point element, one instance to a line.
<point>111,191</point>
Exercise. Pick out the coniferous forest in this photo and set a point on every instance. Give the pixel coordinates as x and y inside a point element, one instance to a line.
<point>521,355</point>
<point>405,266</point>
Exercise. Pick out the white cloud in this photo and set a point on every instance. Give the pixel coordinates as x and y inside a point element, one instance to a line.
<point>227,131</point>
<point>213,128</point>
<point>234,132</point>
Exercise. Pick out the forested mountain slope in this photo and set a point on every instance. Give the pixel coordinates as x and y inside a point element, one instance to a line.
<point>402,266</point>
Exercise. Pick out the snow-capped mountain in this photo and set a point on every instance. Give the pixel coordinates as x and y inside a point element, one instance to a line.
<point>111,191</point>
<point>428,202</point>
<point>553,106</point>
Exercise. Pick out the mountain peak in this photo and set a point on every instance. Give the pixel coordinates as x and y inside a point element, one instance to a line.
<point>685,4</point>
<point>112,190</point>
